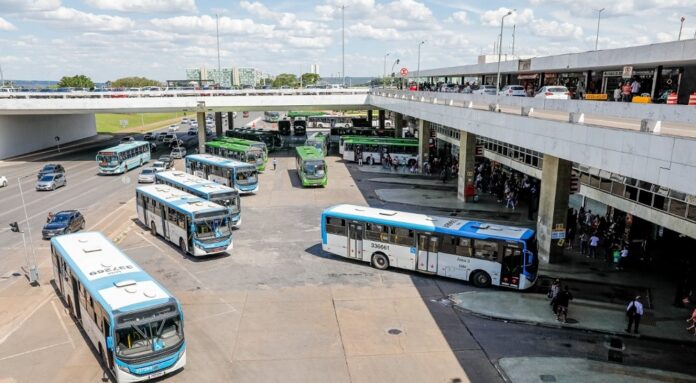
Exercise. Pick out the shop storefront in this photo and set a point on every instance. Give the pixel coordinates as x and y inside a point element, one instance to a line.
<point>530,82</point>
<point>612,78</point>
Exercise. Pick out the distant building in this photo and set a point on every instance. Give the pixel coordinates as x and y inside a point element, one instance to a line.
<point>228,77</point>
<point>249,76</point>
<point>314,69</point>
<point>197,74</point>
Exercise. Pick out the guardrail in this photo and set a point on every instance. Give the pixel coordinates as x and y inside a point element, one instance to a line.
<point>184,93</point>
<point>655,114</point>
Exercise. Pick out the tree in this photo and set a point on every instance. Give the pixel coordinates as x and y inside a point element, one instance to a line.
<point>285,79</point>
<point>76,81</point>
<point>309,79</point>
<point>134,82</point>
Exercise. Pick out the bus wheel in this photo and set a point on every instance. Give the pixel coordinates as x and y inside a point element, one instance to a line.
<point>153,228</point>
<point>480,279</point>
<point>182,246</point>
<point>380,261</point>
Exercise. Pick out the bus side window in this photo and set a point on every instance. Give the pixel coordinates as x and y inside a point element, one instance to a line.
<point>402,236</point>
<point>487,250</point>
<point>336,226</point>
<point>463,247</point>
<point>377,232</point>
<point>448,244</point>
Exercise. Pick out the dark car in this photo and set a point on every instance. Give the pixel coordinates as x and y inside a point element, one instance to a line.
<point>63,222</point>
<point>50,169</point>
<point>168,161</point>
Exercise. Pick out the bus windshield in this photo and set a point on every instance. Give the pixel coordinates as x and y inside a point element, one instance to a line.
<point>246,177</point>
<point>147,338</point>
<point>314,169</point>
<point>212,228</point>
<point>228,200</point>
<point>108,159</point>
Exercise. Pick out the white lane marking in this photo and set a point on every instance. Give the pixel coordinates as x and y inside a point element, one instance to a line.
<point>21,323</point>
<point>29,181</point>
<point>34,350</point>
<point>62,323</point>
<point>113,212</point>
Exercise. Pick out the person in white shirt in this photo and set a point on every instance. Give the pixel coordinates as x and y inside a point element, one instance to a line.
<point>594,243</point>
<point>635,88</point>
<point>634,312</point>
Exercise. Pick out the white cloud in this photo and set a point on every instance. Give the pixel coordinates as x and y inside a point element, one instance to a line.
<point>554,29</point>
<point>10,6</point>
<point>206,23</point>
<point>167,6</point>
<point>370,32</point>
<point>492,18</point>
<point>6,25</point>
<point>458,17</point>
<point>73,18</point>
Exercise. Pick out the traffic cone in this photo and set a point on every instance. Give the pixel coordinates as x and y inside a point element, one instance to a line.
<point>672,98</point>
<point>692,99</point>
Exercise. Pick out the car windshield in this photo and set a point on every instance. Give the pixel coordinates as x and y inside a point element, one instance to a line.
<point>246,177</point>
<point>60,218</point>
<point>558,90</point>
<point>314,169</point>
<point>148,171</point>
<point>48,169</point>
<point>47,177</point>
<point>145,338</point>
<point>212,228</point>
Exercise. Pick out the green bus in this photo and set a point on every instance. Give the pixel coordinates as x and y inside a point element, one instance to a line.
<point>320,141</point>
<point>269,137</point>
<point>244,141</point>
<point>373,150</point>
<point>244,153</point>
<point>311,167</point>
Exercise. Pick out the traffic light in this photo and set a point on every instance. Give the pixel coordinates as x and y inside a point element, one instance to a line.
<point>14,227</point>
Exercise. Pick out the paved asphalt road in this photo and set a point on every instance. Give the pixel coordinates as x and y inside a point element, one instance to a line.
<point>276,308</point>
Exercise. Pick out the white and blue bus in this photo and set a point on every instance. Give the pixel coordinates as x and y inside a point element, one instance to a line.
<point>240,175</point>
<point>209,190</point>
<point>123,157</point>
<point>485,254</point>
<point>135,324</point>
<point>197,226</point>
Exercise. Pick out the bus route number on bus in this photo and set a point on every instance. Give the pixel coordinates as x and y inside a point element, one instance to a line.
<point>379,246</point>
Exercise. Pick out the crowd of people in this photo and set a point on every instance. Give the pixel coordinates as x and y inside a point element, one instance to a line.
<point>599,237</point>
<point>508,188</point>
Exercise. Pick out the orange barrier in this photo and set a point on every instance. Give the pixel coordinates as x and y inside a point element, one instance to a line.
<point>692,99</point>
<point>672,99</point>
<point>641,99</point>
<point>596,96</point>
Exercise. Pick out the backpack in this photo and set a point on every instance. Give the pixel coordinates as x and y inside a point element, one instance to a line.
<point>631,310</point>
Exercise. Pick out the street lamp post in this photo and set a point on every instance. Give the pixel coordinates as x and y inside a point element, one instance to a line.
<point>500,52</point>
<point>392,71</point>
<point>33,269</point>
<point>418,67</point>
<point>343,44</point>
<point>384,73</point>
<point>599,17</point>
<point>680,27</point>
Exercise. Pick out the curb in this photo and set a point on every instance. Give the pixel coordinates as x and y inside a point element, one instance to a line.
<point>578,328</point>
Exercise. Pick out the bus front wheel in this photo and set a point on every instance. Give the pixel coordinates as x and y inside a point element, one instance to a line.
<point>380,261</point>
<point>480,279</point>
<point>182,246</point>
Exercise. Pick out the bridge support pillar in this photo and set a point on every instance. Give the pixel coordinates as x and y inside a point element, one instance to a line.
<point>200,117</point>
<point>553,207</point>
<point>465,178</point>
<point>423,142</point>
<point>369,117</point>
<point>230,120</point>
<point>381,119</point>
<point>218,124</point>
<point>399,125</point>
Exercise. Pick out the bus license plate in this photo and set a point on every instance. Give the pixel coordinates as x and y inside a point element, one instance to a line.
<point>156,374</point>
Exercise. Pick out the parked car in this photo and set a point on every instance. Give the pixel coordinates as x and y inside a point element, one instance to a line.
<point>63,222</point>
<point>169,137</point>
<point>173,128</point>
<point>51,181</point>
<point>50,169</point>
<point>513,90</point>
<point>485,89</point>
<point>158,166</point>
<point>179,152</point>
<point>168,162</point>
<point>151,136</point>
<point>555,92</point>
<point>3,181</point>
<point>147,175</point>
<point>192,131</point>
<point>127,139</point>
<point>176,143</point>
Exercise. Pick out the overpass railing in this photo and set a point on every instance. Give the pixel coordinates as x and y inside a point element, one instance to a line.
<point>183,93</point>
<point>651,116</point>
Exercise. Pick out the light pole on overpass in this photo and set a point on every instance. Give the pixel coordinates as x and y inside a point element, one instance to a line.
<point>599,17</point>
<point>384,74</point>
<point>392,71</point>
<point>680,27</point>
<point>500,52</point>
<point>418,67</point>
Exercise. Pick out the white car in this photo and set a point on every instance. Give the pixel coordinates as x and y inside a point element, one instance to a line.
<point>147,175</point>
<point>159,166</point>
<point>513,90</point>
<point>173,128</point>
<point>555,92</point>
<point>178,152</point>
<point>169,138</point>
<point>485,89</point>
<point>3,181</point>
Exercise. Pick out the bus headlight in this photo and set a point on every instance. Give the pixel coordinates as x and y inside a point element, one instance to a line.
<point>123,368</point>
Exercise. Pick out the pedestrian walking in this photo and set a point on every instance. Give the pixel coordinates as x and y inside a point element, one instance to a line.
<point>623,258</point>
<point>553,294</point>
<point>692,319</point>
<point>634,311</point>
<point>563,300</point>
<point>275,164</point>
<point>635,88</point>
<point>583,243</point>
<point>594,243</point>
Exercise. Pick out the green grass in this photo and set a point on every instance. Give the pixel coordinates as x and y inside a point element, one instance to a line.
<point>111,123</point>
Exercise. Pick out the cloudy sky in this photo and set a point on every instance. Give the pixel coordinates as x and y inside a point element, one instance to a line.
<point>108,39</point>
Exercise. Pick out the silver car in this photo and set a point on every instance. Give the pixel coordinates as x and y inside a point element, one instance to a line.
<point>178,152</point>
<point>51,181</point>
<point>147,175</point>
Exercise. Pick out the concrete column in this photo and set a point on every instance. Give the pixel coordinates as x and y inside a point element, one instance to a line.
<point>369,116</point>
<point>200,116</point>
<point>553,206</point>
<point>381,119</point>
<point>399,124</point>
<point>218,124</point>
<point>423,142</point>
<point>467,152</point>
<point>230,120</point>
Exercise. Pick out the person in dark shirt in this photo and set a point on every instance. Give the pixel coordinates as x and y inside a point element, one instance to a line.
<point>562,300</point>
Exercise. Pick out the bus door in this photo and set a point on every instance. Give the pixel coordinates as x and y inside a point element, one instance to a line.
<point>163,216</point>
<point>511,267</point>
<point>355,243</point>
<point>76,298</point>
<point>58,270</point>
<point>427,253</point>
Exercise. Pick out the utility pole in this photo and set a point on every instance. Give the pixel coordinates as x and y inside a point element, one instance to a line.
<point>384,73</point>
<point>513,41</point>
<point>680,27</point>
<point>418,67</point>
<point>217,37</point>
<point>500,48</point>
<point>599,17</point>
<point>343,43</point>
